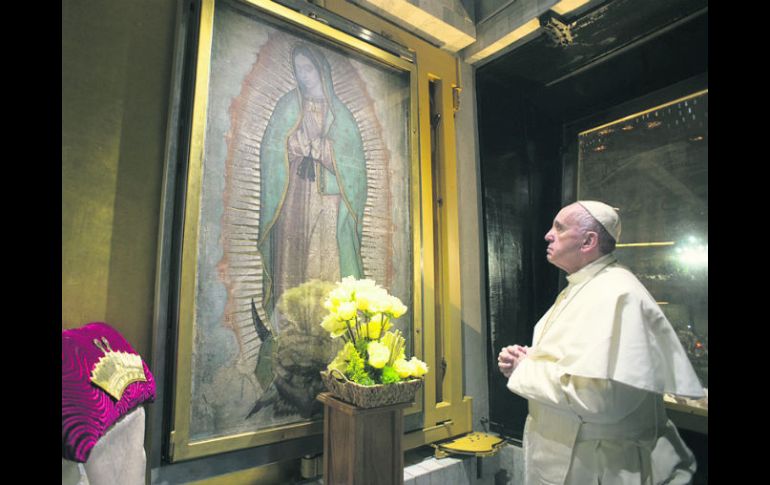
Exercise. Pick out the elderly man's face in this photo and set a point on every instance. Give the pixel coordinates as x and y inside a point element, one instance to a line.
<point>565,239</point>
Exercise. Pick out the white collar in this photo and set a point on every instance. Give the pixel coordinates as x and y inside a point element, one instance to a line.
<point>591,269</point>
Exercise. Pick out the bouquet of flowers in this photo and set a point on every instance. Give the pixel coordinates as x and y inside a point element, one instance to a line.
<point>360,313</point>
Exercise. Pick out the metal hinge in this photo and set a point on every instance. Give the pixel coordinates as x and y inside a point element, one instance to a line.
<point>171,444</point>
<point>456,90</point>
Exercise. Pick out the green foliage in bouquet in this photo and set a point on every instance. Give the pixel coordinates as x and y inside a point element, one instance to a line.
<point>360,313</point>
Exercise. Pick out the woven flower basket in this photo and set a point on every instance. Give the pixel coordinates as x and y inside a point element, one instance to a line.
<point>369,396</point>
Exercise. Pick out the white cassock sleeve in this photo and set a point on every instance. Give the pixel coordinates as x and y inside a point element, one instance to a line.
<point>594,400</point>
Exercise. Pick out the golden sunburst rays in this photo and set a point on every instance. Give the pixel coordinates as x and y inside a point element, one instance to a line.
<point>240,268</point>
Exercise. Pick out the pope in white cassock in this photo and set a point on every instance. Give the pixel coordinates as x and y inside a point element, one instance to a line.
<point>602,357</point>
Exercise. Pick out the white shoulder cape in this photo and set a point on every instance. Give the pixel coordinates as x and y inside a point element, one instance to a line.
<point>611,328</point>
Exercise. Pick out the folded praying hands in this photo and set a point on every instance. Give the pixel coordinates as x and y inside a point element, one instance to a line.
<point>510,357</point>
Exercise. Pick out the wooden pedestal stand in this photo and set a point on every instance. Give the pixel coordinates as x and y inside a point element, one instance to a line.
<point>362,446</point>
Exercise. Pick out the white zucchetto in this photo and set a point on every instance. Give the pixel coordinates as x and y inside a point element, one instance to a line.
<point>607,216</point>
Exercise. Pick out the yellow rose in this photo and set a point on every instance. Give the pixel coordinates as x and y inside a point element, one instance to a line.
<point>337,297</point>
<point>346,311</point>
<point>333,325</point>
<point>420,367</point>
<point>352,285</point>
<point>403,368</point>
<point>328,305</point>
<point>378,355</point>
<point>372,330</point>
<point>396,307</point>
<point>364,300</point>
<point>371,299</point>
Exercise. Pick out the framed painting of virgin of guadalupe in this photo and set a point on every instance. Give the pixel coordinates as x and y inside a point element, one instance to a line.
<point>302,171</point>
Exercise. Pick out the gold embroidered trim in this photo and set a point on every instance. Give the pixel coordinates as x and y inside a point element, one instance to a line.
<point>116,370</point>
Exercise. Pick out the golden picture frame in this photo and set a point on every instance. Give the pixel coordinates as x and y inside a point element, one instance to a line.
<point>292,120</point>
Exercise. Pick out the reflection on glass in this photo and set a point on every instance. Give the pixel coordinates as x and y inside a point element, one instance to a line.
<point>653,165</point>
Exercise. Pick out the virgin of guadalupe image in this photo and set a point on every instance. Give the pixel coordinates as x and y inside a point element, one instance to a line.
<point>313,192</point>
<point>305,180</point>
<point>313,185</point>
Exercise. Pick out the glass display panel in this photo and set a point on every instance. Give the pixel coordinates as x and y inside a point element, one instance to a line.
<point>301,173</point>
<point>653,166</point>
<point>272,228</point>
